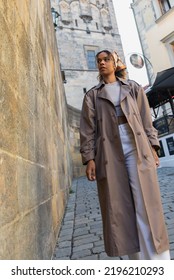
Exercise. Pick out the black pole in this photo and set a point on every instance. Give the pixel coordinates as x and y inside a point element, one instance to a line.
<point>171,101</point>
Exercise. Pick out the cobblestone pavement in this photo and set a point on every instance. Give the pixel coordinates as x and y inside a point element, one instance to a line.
<point>81,235</point>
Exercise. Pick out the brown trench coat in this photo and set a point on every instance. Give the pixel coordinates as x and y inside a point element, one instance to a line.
<point>99,136</point>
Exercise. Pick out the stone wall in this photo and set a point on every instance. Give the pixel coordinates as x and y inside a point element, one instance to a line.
<point>35,163</point>
<point>74,124</point>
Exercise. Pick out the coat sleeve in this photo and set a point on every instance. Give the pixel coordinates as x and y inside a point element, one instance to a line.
<point>87,128</point>
<point>145,114</point>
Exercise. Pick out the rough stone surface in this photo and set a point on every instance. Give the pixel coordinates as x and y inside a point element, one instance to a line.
<point>35,160</point>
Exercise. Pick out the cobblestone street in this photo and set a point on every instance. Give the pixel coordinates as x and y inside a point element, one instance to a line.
<point>80,236</point>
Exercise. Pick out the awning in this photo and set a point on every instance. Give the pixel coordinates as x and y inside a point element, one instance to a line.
<point>164,79</point>
<point>162,89</point>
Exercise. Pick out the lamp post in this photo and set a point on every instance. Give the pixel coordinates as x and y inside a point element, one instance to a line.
<point>55,16</point>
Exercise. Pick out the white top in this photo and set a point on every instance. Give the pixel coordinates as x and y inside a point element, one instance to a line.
<point>113,91</point>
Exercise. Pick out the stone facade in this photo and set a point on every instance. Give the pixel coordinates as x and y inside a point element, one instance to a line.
<point>84,28</point>
<point>35,162</point>
<point>74,123</point>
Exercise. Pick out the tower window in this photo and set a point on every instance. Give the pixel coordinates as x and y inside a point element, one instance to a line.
<point>97,25</point>
<point>76,22</point>
<point>91,59</point>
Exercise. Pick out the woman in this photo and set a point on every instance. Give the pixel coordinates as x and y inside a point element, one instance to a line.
<point>118,145</point>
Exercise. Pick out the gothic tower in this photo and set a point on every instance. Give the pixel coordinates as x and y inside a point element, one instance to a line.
<point>84,27</point>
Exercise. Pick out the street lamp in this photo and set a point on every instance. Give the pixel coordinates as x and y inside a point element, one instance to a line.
<point>136,60</point>
<point>55,16</point>
<point>139,60</point>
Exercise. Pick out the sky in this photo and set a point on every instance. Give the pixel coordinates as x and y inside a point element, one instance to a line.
<point>129,37</point>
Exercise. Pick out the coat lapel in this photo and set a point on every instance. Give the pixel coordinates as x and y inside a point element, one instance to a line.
<point>124,91</point>
<point>103,94</point>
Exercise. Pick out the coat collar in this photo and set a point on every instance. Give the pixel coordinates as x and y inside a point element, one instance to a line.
<point>123,81</point>
<point>124,89</point>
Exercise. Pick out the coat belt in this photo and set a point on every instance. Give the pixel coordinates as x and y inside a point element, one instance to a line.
<point>121,120</point>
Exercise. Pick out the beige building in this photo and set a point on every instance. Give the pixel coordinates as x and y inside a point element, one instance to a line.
<point>83,28</point>
<point>155,25</point>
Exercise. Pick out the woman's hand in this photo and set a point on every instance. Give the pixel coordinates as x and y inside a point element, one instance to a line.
<point>90,170</point>
<point>156,158</point>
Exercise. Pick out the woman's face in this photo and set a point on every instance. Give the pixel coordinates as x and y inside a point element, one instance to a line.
<point>106,64</point>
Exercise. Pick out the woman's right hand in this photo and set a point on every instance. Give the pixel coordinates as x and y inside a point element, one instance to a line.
<point>90,170</point>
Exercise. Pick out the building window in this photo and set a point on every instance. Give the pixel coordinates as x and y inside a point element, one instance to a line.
<point>168,41</point>
<point>172,46</point>
<point>63,77</point>
<point>171,52</point>
<point>76,22</point>
<point>97,25</point>
<point>164,6</point>
<point>91,59</point>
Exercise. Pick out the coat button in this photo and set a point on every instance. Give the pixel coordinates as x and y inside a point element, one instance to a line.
<point>145,156</point>
<point>103,139</point>
<point>106,162</point>
<point>138,133</point>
